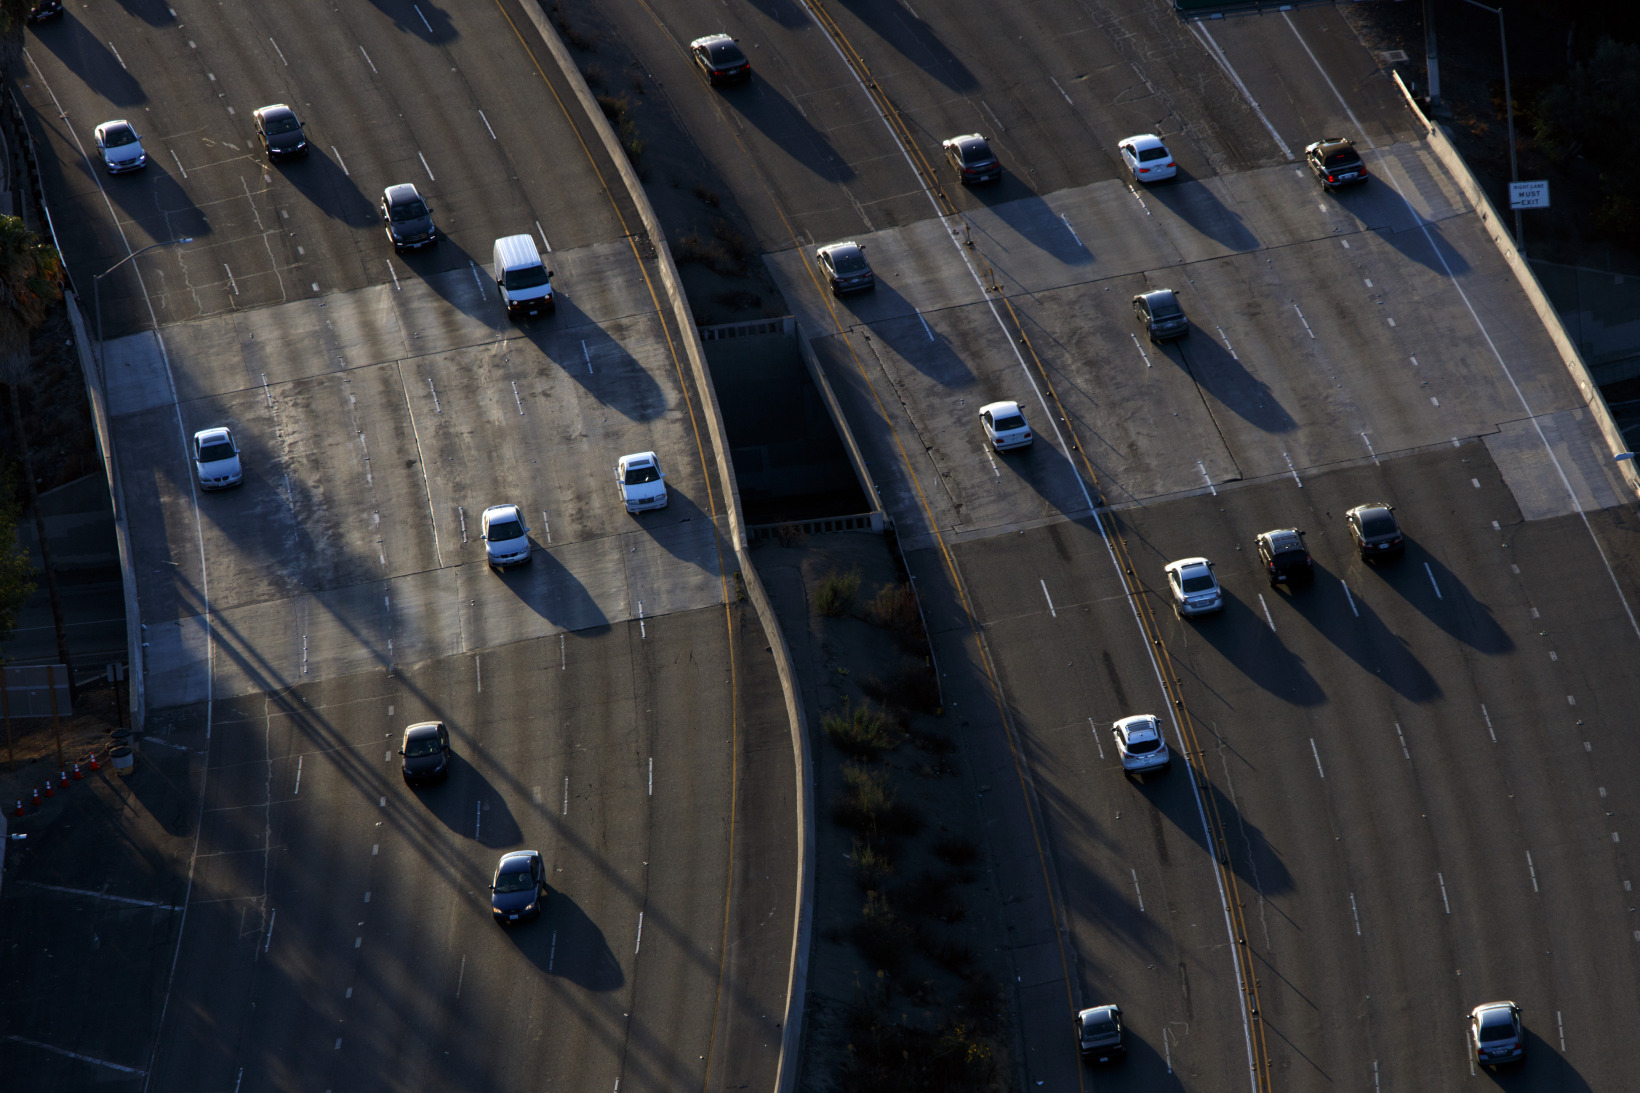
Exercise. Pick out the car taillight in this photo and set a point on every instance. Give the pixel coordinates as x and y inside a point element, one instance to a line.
<point>1144,170</point>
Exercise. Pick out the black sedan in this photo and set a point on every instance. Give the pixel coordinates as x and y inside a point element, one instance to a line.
<point>1375,530</point>
<point>281,132</point>
<point>520,886</point>
<point>1284,557</point>
<point>426,752</point>
<point>407,218</point>
<point>720,58</point>
<point>971,155</point>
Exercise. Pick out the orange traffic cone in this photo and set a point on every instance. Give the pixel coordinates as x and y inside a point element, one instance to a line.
<point>36,801</point>
<point>20,810</point>
<point>94,764</point>
<point>49,791</point>
<point>62,779</point>
<point>78,777</point>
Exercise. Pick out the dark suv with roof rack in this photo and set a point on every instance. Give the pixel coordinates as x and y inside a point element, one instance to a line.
<point>1335,163</point>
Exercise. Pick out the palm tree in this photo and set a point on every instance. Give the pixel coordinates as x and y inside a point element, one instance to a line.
<point>30,282</point>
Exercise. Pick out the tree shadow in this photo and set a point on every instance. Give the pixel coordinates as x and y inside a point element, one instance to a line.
<point>779,119</point>
<point>1366,639</point>
<point>1244,638</point>
<point>73,44</point>
<point>1222,376</point>
<point>1445,600</point>
<point>915,39</point>
<point>565,943</point>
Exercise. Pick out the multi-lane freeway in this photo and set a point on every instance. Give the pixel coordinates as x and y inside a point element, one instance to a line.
<point>1398,792</point>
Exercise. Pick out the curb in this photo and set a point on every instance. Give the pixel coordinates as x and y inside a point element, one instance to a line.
<point>1593,400</point>
<point>797,979</point>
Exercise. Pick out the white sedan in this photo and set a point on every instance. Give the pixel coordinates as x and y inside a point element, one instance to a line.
<point>120,147</point>
<point>1005,425</point>
<point>1195,590</point>
<point>216,459</point>
<point>1147,158</point>
<point>1139,742</point>
<point>642,483</point>
<point>506,536</point>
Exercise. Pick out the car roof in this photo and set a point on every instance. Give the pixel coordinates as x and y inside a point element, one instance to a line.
<point>422,728</point>
<point>1095,1011</point>
<point>639,458</point>
<point>500,512</point>
<point>966,140</point>
<point>274,110</point>
<point>216,432</point>
<point>109,126</point>
<point>1157,296</point>
<point>1331,144</point>
<point>1370,506</point>
<point>1488,1007</point>
<point>1283,539</point>
<point>1145,140</point>
<point>710,39</point>
<point>840,247</point>
<point>1000,409</point>
<point>1189,563</point>
<point>401,191</point>
<point>515,860</point>
<point>1148,718</point>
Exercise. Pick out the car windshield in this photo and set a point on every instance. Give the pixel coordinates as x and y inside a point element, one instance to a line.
<point>274,124</point>
<point>725,53</point>
<point>1008,423</point>
<point>1374,524</point>
<point>528,277</point>
<point>636,476</point>
<point>1143,746</point>
<point>119,136</point>
<point>1198,583</point>
<point>214,450</point>
<point>422,745</point>
<point>407,209</point>
<point>1497,1025</point>
<point>1148,154</point>
<point>513,882</point>
<point>502,530</point>
<point>846,262</point>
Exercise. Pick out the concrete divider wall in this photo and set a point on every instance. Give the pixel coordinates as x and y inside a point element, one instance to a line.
<point>1449,156</point>
<point>797,978</point>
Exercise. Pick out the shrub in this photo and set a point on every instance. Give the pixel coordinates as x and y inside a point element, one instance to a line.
<point>871,866</point>
<point>958,850</point>
<point>878,935</point>
<point>894,608</point>
<point>866,801</point>
<point>836,593</point>
<point>862,732</point>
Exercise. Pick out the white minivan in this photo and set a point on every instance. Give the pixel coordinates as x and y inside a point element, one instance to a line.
<point>525,283</point>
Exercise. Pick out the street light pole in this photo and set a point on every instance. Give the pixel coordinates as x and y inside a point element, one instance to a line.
<point>1509,111</point>
<point>96,297</point>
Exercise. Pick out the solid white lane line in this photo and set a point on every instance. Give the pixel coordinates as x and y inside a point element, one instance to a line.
<point>268,940</point>
<point>279,51</point>
<point>517,399</point>
<point>368,61</point>
<point>486,122</point>
<point>924,322</point>
<point>437,409</point>
<point>587,355</point>
<point>96,895</point>
<point>1532,869</point>
<point>639,944</point>
<point>1267,617</point>
<point>478,673</point>
<point>643,633</point>
<point>340,162</point>
<point>1136,893</point>
<point>1488,719</point>
<point>231,282</point>
<point>1345,586</point>
<point>115,51</point>
<point>1209,480</point>
<point>396,286</point>
<point>1094,729</point>
<point>1142,354</point>
<point>566,796</point>
<point>1355,914</point>
<point>1213,50</point>
<point>424,21</point>
<point>426,168</point>
<point>543,235</point>
<point>1293,469</point>
<point>1061,90</point>
<point>1442,882</point>
<point>93,1060</point>
<point>461,514</point>
<point>1432,583</point>
<point>993,113</point>
<point>1072,230</point>
<point>1562,1030</point>
<point>1317,755</point>
<point>298,788</point>
<point>651,776</point>
<point>1399,735</point>
<point>1370,450</point>
<point>546,529</point>
<point>563,656</point>
<point>1306,323</point>
<point>989,458</point>
<point>1047,597</point>
<point>462,974</point>
<point>180,167</point>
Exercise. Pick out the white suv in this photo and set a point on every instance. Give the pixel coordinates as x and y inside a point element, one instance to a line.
<point>1139,742</point>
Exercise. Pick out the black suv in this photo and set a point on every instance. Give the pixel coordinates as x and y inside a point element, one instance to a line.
<point>1335,163</point>
<point>1284,557</point>
<point>426,752</point>
<point>1375,530</point>
<point>1161,314</point>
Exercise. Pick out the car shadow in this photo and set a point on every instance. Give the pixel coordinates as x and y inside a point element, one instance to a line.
<point>433,26</point>
<point>549,589</point>
<point>1218,373</point>
<point>593,357</point>
<point>903,30</point>
<point>565,943</point>
<point>917,343</point>
<point>1034,221</point>
<point>1363,202</point>
<point>1542,1068</point>
<point>779,119</point>
<point>73,44</point>
<point>1425,583</point>
<point>1248,853</point>
<point>326,184</point>
<point>1243,637</point>
<point>1362,636</point>
<point>1143,1067</point>
<point>1197,205</point>
<point>469,805</point>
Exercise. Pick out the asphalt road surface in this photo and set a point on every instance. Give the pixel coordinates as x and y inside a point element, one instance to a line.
<point>1403,786</point>
<point>600,700</point>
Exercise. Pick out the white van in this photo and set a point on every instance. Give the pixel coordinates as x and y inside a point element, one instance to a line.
<point>525,283</point>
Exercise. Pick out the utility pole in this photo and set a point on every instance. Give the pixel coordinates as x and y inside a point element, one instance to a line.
<point>1429,55</point>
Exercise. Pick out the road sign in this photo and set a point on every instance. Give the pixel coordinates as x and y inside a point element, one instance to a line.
<point>1529,195</point>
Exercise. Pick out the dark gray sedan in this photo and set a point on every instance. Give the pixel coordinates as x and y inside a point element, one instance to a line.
<point>426,752</point>
<point>520,886</point>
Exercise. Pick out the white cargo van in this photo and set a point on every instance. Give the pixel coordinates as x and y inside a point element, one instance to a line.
<point>525,283</point>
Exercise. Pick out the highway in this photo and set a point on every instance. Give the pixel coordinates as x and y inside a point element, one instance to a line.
<point>1404,793</point>
<point>601,700</point>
